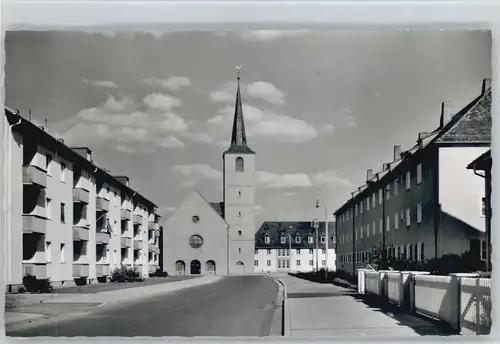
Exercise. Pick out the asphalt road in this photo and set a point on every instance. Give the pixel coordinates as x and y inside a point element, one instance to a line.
<point>233,306</point>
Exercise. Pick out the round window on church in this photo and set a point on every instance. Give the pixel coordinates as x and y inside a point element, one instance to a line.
<point>195,241</point>
<point>196,219</point>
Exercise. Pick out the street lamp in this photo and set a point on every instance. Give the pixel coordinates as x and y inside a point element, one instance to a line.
<point>326,234</point>
<point>315,225</point>
<point>289,251</point>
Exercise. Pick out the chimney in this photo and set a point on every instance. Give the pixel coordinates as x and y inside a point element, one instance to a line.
<point>61,140</point>
<point>397,152</point>
<point>83,151</point>
<point>41,127</point>
<point>446,114</point>
<point>122,179</point>
<point>386,166</point>
<point>486,85</point>
<point>369,174</point>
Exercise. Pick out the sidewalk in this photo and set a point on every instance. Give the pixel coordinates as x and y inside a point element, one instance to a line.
<point>325,310</point>
<point>28,307</point>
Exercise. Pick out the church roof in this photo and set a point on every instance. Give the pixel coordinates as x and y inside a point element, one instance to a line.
<point>303,229</point>
<point>238,137</point>
<point>218,207</point>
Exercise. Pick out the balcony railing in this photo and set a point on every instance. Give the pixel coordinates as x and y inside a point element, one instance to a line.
<point>80,270</point>
<point>126,242</point>
<point>102,238</point>
<point>37,270</point>
<point>80,233</point>
<point>125,214</point>
<point>102,270</point>
<point>32,175</point>
<point>151,225</point>
<point>157,233</point>
<point>137,244</point>
<point>80,196</point>
<point>102,204</point>
<point>33,224</point>
<point>137,219</point>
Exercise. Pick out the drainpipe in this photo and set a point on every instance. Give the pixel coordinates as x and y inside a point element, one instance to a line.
<point>487,178</point>
<point>227,248</point>
<point>353,238</point>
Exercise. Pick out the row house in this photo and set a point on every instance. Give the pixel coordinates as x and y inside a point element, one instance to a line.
<point>293,247</point>
<point>425,202</point>
<point>67,219</point>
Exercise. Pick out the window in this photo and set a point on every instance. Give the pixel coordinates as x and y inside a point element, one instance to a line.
<point>483,249</point>
<point>297,251</point>
<point>323,262</point>
<point>268,251</point>
<point>239,232</point>
<point>421,252</point>
<point>374,228</point>
<point>387,190</point>
<point>63,253</point>
<point>356,210</point>
<point>419,213</point>
<point>323,250</point>
<point>63,217</point>
<point>381,225</point>
<point>361,208</point>
<point>297,240</point>
<point>267,240</point>
<point>310,263</point>
<point>195,241</point>
<point>408,180</point>
<point>268,263</point>
<point>283,239</point>
<point>279,263</point>
<point>361,231</point>
<point>396,187</point>
<point>356,232</point>
<point>323,239</point>
<point>48,253</point>
<point>483,207</point>
<point>256,251</point>
<point>310,239</point>
<point>368,203</point>
<point>288,264</point>
<point>239,214</point>
<point>298,262</point>
<point>408,220</point>
<point>367,230</point>
<point>240,164</point>
<point>310,251</point>
<point>239,250</point>
<point>239,193</point>
<point>409,252</point>
<point>419,174</point>
<point>48,163</point>
<point>373,200</point>
<point>396,221</point>
<point>256,263</point>
<point>388,223</point>
<point>48,207</point>
<point>63,171</point>
<point>380,196</point>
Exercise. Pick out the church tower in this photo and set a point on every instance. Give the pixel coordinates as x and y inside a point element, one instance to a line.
<point>239,194</point>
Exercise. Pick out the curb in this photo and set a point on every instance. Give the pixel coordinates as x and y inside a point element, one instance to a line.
<point>282,300</point>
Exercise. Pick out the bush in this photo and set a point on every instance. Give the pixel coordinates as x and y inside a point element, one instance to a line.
<point>124,274</point>
<point>160,273</point>
<point>36,286</point>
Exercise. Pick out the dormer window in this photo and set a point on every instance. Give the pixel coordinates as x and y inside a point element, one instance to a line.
<point>323,239</point>
<point>267,239</point>
<point>310,239</point>
<point>297,240</point>
<point>283,240</point>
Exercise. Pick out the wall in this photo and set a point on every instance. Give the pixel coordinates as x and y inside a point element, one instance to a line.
<point>180,226</point>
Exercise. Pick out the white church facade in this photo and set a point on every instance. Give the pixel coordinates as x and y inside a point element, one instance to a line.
<point>217,238</point>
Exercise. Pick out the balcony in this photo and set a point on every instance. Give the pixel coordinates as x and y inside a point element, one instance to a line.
<point>125,214</point>
<point>101,238</point>
<point>32,175</point>
<point>33,224</point>
<point>137,244</point>
<point>126,242</point>
<point>101,204</point>
<point>80,196</point>
<point>157,233</point>
<point>137,219</point>
<point>80,233</point>
<point>102,270</point>
<point>80,270</point>
<point>37,270</point>
<point>151,225</point>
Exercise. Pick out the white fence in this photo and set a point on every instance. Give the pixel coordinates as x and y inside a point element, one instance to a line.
<point>461,300</point>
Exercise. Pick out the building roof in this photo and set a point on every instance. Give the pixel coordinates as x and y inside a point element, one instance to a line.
<point>471,125</point>
<point>218,207</point>
<point>37,134</point>
<point>303,229</point>
<point>238,137</point>
<point>482,163</point>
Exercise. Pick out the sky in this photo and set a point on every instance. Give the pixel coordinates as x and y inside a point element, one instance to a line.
<point>320,106</point>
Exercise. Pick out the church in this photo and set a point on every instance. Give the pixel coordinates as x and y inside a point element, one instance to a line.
<point>202,237</point>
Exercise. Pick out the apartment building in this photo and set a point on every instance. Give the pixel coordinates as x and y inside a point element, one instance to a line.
<point>424,203</point>
<point>68,219</point>
<point>293,247</point>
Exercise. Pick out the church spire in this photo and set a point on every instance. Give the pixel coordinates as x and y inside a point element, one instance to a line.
<point>238,137</point>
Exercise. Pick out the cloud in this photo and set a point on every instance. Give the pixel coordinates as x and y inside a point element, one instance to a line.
<point>267,180</point>
<point>173,83</point>
<point>347,118</point>
<point>100,83</point>
<point>330,178</point>
<point>126,125</point>
<point>270,35</point>
<point>267,92</point>
<point>290,193</point>
<point>197,172</point>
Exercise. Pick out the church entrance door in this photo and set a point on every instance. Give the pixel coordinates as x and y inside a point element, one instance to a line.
<point>195,267</point>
